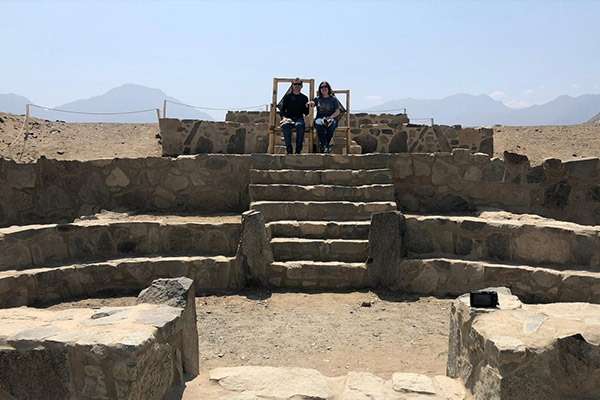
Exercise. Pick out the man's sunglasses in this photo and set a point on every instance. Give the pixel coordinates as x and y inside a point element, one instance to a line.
<point>296,84</point>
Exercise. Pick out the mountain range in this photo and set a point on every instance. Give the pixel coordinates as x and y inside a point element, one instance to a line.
<point>482,110</point>
<point>464,109</point>
<point>128,97</point>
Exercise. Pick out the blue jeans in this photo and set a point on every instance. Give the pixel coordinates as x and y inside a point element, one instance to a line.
<point>287,135</point>
<point>325,133</point>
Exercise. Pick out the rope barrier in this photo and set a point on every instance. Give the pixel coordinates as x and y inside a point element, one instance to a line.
<point>382,111</point>
<point>93,113</point>
<point>216,108</point>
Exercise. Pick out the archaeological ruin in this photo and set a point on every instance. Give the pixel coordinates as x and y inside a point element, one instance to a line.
<point>424,210</point>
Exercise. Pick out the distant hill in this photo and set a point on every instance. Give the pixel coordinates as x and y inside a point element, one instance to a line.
<point>595,119</point>
<point>13,103</point>
<point>128,97</point>
<point>471,110</point>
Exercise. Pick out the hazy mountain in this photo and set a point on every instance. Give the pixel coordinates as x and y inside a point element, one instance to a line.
<point>478,110</point>
<point>128,97</point>
<point>595,119</point>
<point>13,103</point>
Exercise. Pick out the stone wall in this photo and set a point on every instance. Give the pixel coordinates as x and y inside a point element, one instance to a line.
<point>462,181</point>
<point>58,191</point>
<point>382,134</point>
<point>201,137</point>
<point>356,120</point>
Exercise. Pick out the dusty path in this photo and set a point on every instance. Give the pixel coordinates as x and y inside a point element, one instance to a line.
<point>332,332</point>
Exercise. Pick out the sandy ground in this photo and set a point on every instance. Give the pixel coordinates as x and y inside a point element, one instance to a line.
<point>332,332</point>
<point>74,141</point>
<point>539,142</point>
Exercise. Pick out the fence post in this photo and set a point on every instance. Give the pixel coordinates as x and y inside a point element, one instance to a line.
<point>431,121</point>
<point>158,114</point>
<point>165,108</point>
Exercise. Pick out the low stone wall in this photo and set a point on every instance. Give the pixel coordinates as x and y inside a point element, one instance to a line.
<point>199,137</point>
<point>89,241</point>
<point>144,351</point>
<point>422,139</point>
<point>525,352</point>
<point>374,133</point>
<point>534,242</point>
<point>461,181</point>
<point>59,191</point>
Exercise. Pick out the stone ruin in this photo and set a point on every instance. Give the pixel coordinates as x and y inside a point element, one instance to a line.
<point>440,224</point>
<point>246,132</point>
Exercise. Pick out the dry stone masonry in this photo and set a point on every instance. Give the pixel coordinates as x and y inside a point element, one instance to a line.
<point>441,224</point>
<point>124,353</point>
<point>247,132</point>
<point>318,212</point>
<point>524,351</point>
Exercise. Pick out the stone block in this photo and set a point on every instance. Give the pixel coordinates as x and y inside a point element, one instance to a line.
<point>582,169</point>
<point>255,247</point>
<point>112,352</point>
<point>386,247</point>
<point>523,351</point>
<point>180,293</point>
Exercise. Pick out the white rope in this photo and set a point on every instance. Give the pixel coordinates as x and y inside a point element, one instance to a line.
<point>216,108</point>
<point>93,113</point>
<point>380,111</point>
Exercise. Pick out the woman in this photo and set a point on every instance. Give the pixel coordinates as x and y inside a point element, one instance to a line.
<point>328,109</point>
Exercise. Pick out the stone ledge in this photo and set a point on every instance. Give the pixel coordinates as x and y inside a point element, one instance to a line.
<point>100,239</point>
<point>526,352</point>
<point>286,383</point>
<point>122,276</point>
<point>134,352</point>
<point>452,277</point>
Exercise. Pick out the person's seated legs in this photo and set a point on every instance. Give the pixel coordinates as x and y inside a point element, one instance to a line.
<point>321,134</point>
<point>330,131</point>
<point>299,134</point>
<point>286,129</point>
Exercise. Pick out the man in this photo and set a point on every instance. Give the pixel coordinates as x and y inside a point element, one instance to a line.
<point>292,109</point>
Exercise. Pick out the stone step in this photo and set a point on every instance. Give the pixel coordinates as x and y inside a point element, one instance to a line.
<point>119,276</point>
<point>102,239</point>
<point>505,237</point>
<point>321,161</point>
<point>337,177</point>
<point>320,229</point>
<point>318,275</point>
<point>320,210</point>
<point>379,192</point>
<point>453,277</point>
<point>351,250</point>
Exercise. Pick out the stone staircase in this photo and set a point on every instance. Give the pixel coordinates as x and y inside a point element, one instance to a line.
<point>318,212</point>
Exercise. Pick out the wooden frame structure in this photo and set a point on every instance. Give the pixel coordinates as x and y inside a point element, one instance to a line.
<point>274,128</point>
<point>346,117</point>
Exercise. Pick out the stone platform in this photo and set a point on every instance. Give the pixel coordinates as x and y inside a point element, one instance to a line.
<point>251,383</point>
<point>138,352</point>
<point>526,352</point>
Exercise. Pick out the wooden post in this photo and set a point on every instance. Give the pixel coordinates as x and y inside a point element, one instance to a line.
<point>348,136</point>
<point>311,112</point>
<point>272,118</point>
<point>165,108</point>
<point>158,114</point>
<point>432,122</point>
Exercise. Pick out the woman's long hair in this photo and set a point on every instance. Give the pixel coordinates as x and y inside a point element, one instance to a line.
<point>328,88</point>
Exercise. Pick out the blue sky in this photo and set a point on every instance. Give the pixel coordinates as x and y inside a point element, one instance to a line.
<point>224,53</point>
